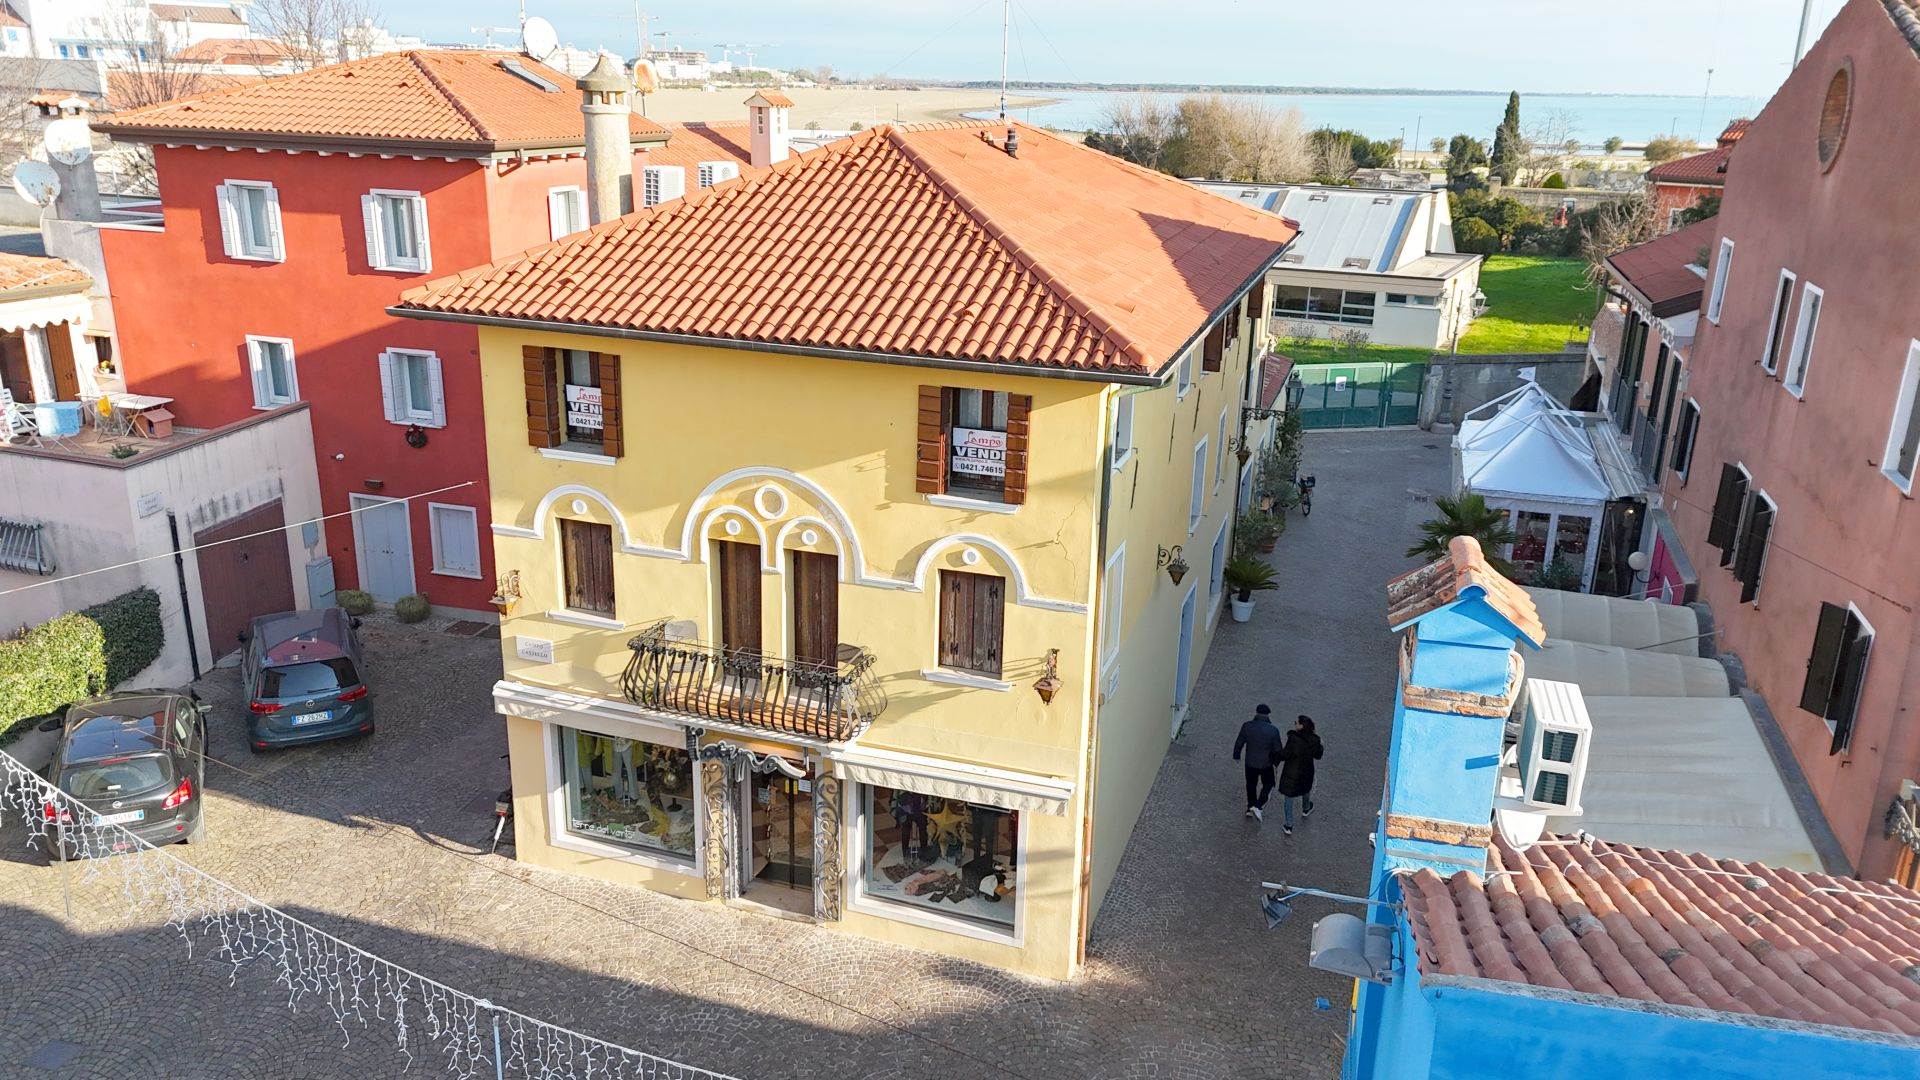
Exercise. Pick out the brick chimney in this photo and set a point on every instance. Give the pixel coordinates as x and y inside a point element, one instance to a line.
<point>604,101</point>
<point>767,113</point>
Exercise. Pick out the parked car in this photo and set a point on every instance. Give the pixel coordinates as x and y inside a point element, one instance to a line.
<point>136,759</point>
<point>302,677</point>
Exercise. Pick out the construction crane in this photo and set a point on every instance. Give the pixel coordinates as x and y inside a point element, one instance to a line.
<point>726,51</point>
<point>513,32</point>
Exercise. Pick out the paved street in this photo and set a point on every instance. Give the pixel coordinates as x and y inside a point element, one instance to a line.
<point>383,843</point>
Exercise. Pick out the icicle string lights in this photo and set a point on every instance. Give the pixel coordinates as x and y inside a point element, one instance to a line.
<point>353,988</point>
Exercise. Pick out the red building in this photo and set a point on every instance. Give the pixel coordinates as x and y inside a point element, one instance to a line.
<point>293,211</point>
<point>1792,490</point>
<point>1681,184</point>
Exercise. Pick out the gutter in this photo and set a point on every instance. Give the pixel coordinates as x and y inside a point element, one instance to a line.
<point>477,150</point>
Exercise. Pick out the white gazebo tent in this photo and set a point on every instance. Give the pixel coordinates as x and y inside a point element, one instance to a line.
<point>1527,454</point>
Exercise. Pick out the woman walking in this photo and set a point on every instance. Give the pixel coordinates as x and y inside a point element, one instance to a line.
<point>1296,760</point>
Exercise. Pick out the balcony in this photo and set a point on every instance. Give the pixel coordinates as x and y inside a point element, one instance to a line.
<point>672,673</point>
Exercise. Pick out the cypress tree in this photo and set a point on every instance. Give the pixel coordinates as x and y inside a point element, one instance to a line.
<point>1506,142</point>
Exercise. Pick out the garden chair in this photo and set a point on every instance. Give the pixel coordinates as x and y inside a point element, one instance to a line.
<point>16,421</point>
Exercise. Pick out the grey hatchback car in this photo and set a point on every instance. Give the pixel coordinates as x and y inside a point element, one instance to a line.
<point>303,677</point>
<point>135,759</point>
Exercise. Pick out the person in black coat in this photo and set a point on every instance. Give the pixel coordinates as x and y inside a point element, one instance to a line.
<point>1261,741</point>
<point>1296,760</point>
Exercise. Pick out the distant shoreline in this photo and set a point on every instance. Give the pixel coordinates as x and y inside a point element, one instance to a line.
<point>1310,91</point>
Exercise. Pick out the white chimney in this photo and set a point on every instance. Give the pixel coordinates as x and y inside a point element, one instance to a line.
<point>604,102</point>
<point>767,116</point>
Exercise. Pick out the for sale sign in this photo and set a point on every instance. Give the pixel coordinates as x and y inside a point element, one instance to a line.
<point>583,406</point>
<point>980,453</point>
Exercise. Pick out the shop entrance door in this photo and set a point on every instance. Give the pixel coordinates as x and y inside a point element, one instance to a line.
<point>779,812</point>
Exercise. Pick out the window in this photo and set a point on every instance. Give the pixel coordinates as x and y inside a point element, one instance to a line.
<point>1683,440</point>
<point>973,444</point>
<point>1196,502</point>
<point>410,389</point>
<point>586,556</point>
<point>1835,110</point>
<point>1751,546</point>
<point>1782,302</point>
<point>396,224</point>
<point>941,855</point>
<point>1217,568</point>
<point>1183,374</point>
<point>1323,305</point>
<point>1728,506</point>
<point>584,422</point>
<point>306,680</point>
<point>1903,441</point>
<point>1412,300</point>
<point>1122,428</point>
<point>456,539</point>
<point>250,220</point>
<point>1718,296</point>
<point>270,361</point>
<point>627,792</point>
<point>573,402</point>
<point>972,612</point>
<point>566,211</point>
<point>1113,593</point>
<point>1837,670</point>
<point>1801,355</point>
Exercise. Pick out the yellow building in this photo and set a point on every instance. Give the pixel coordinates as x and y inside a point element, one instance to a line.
<point>839,553</point>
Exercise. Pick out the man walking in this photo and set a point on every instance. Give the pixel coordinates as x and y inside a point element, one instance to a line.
<point>1261,741</point>
<point>1296,759</point>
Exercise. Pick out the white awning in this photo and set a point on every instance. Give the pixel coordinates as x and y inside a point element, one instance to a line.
<point>581,710</point>
<point>1615,620</point>
<point>954,780</point>
<point>18,315</point>
<point>1531,447</point>
<point>1611,671</point>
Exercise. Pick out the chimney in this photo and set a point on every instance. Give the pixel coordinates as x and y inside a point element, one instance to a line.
<point>767,116</point>
<point>604,102</point>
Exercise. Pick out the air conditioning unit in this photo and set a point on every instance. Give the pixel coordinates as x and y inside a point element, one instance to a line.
<point>662,183</point>
<point>1551,755</point>
<point>713,172</point>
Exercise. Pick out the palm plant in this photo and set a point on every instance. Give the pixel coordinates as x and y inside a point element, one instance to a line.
<point>1466,515</point>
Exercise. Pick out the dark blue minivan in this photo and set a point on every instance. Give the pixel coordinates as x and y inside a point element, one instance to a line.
<point>303,678</point>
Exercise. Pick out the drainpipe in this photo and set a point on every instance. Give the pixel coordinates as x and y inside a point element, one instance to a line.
<point>186,608</point>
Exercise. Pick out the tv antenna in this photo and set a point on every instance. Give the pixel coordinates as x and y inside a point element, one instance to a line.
<point>1006,10</point>
<point>489,31</point>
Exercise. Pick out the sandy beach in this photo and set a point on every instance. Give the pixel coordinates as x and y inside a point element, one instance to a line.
<point>833,109</point>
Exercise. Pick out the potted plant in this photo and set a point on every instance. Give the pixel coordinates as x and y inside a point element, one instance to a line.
<point>1257,532</point>
<point>1243,577</point>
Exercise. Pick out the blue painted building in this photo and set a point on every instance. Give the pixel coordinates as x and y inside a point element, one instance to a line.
<point>1578,954</point>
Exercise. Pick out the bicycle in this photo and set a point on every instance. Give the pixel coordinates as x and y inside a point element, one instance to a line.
<point>1306,496</point>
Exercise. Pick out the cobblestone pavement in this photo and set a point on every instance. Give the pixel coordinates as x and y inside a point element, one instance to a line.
<point>382,841</point>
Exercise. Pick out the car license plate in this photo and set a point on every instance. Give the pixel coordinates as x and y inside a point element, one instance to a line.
<point>305,718</point>
<point>120,818</point>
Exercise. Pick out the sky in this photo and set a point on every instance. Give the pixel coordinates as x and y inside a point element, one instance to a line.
<point>1621,46</point>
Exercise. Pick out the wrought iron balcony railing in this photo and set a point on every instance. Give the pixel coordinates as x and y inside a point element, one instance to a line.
<point>675,674</point>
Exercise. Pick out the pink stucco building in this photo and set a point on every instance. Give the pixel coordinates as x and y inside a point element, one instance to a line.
<point>1796,506</point>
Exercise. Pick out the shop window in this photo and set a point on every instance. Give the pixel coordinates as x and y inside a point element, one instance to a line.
<point>941,855</point>
<point>972,621</point>
<point>1837,669</point>
<point>972,444</point>
<point>275,382</point>
<point>1530,550</point>
<point>627,792</point>
<point>586,552</point>
<point>396,231</point>
<point>1324,305</point>
<point>1777,329</point>
<point>1572,534</point>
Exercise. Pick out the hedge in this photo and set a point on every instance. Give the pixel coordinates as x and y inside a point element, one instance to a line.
<point>78,654</point>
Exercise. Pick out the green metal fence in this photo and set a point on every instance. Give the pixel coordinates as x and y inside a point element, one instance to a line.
<point>1374,394</point>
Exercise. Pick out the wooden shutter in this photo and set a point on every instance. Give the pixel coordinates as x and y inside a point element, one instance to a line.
<point>587,558</point>
<point>542,371</point>
<point>1683,442</point>
<point>816,607</point>
<point>1726,511</point>
<point>66,380</point>
<point>739,595</point>
<point>1823,665</point>
<point>1753,548</point>
<point>930,445</point>
<point>1018,406</point>
<point>1850,678</point>
<point>1215,346</point>
<point>972,621</point>
<point>607,365</point>
<point>1256,299</point>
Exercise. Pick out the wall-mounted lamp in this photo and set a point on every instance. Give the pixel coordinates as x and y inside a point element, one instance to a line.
<point>1176,566</point>
<point>1049,683</point>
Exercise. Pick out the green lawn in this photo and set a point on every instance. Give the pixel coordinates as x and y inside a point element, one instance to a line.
<point>1326,352</point>
<point>1534,304</point>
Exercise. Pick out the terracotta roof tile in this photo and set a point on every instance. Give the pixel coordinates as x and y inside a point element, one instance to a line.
<point>1708,169</point>
<point>925,241</point>
<point>22,272</point>
<point>1658,268</point>
<point>466,99</point>
<point>1662,926</point>
<point>1441,582</point>
<point>690,144</point>
<point>774,98</point>
<point>1274,370</point>
<point>1906,18</point>
<point>199,13</point>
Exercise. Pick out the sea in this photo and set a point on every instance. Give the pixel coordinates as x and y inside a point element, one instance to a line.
<point>1420,118</point>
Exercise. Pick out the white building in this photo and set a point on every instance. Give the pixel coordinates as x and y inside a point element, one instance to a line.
<point>111,30</point>
<point>1376,260</point>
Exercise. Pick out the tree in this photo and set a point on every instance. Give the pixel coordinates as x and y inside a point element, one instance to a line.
<point>1464,153</point>
<point>1708,206</point>
<point>1239,137</point>
<point>1137,128</point>
<point>1613,144</point>
<point>1547,145</point>
<point>1475,237</point>
<point>1467,515</point>
<point>317,32</point>
<point>1555,182</point>
<point>1438,144</point>
<point>1667,147</point>
<point>1616,228</point>
<point>1506,157</point>
<point>1336,154</point>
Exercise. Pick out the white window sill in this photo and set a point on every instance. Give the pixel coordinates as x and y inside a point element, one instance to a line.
<point>257,258</point>
<point>933,920</point>
<point>567,841</point>
<point>378,269</point>
<point>1904,483</point>
<point>1123,460</point>
<point>472,574</point>
<point>578,456</point>
<point>416,421</point>
<point>581,618</point>
<point>965,678</point>
<point>962,502</point>
<point>272,405</point>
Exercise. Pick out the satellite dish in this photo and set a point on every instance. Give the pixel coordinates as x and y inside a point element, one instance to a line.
<point>538,38</point>
<point>68,141</point>
<point>646,77</point>
<point>36,182</point>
